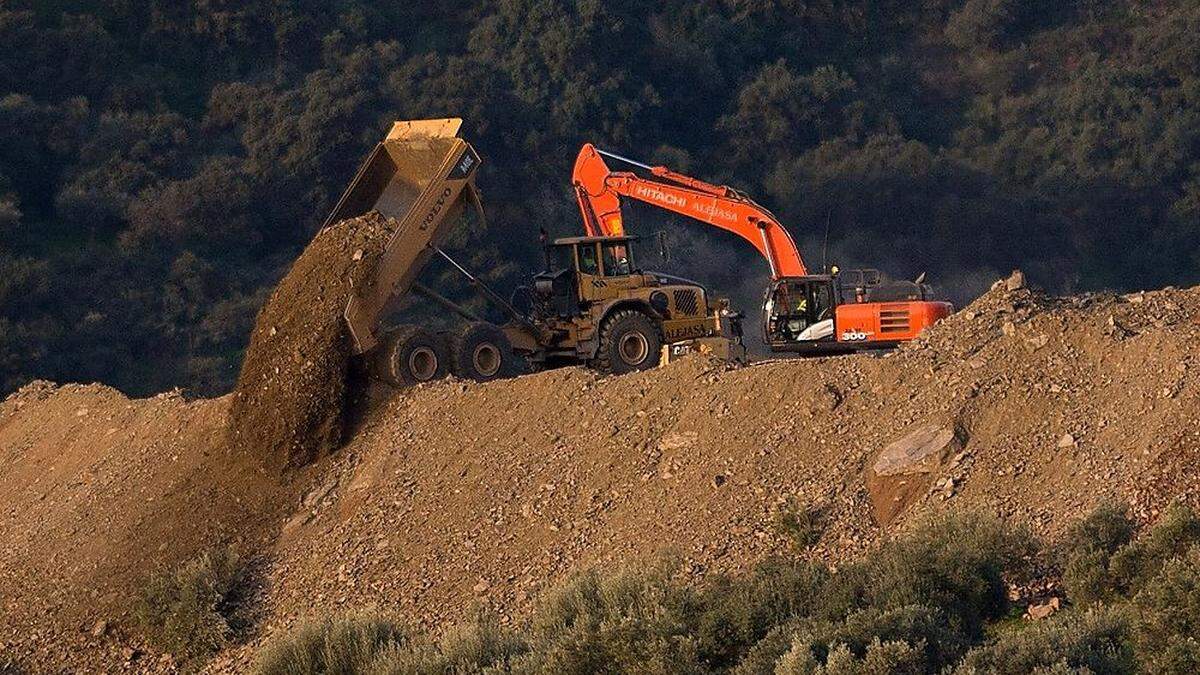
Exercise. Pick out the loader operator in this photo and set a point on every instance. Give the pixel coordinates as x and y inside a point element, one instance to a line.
<point>587,261</point>
<point>616,260</point>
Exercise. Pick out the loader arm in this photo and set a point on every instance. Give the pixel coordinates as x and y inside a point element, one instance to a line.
<point>599,192</point>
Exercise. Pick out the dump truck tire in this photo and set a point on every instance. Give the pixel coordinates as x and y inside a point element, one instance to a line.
<point>411,355</point>
<point>482,352</point>
<point>629,341</point>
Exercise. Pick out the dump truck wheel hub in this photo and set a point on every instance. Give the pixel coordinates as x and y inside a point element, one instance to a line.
<point>486,359</point>
<point>423,363</point>
<point>634,348</point>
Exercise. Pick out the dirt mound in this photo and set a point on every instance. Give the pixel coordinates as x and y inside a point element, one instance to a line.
<point>456,494</point>
<point>100,491</point>
<point>290,402</point>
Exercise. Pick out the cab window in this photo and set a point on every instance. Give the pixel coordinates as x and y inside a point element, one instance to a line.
<point>588,264</point>
<point>562,258</point>
<point>791,299</point>
<point>822,301</point>
<point>616,260</point>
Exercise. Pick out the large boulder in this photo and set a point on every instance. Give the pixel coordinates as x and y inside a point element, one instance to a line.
<point>904,471</point>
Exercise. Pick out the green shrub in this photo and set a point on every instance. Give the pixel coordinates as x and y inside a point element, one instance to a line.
<point>1141,560</point>
<point>1102,568</point>
<point>803,526</point>
<point>957,563</point>
<point>1086,578</point>
<point>188,611</point>
<point>734,614</point>
<point>472,647</point>
<point>1098,640</point>
<point>926,602</point>
<point>635,619</point>
<point>1087,549</point>
<point>1168,624</point>
<point>337,646</point>
<point>1107,528</point>
<point>980,23</point>
<point>928,642</point>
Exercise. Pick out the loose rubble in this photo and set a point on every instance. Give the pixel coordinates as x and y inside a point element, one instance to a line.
<point>452,496</point>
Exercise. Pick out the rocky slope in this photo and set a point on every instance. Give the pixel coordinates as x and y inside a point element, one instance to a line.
<point>454,495</point>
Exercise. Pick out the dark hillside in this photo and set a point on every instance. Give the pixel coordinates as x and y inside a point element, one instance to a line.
<point>161,163</point>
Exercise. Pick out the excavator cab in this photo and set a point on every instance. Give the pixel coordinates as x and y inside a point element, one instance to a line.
<point>800,309</point>
<point>847,311</point>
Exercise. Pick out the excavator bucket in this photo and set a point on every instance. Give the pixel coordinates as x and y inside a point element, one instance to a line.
<point>423,175</point>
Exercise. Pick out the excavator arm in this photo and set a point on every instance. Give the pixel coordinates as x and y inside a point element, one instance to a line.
<point>599,191</point>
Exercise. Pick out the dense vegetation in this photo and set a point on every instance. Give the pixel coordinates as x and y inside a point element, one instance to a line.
<point>935,600</point>
<point>161,162</point>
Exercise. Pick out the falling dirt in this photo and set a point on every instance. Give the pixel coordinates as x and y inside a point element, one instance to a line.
<point>289,407</point>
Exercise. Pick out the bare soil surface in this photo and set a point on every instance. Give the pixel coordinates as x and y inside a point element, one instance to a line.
<point>453,495</point>
<point>100,491</point>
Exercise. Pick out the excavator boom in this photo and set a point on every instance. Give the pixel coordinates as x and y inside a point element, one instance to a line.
<point>599,191</point>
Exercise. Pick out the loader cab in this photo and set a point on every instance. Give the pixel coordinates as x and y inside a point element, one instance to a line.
<point>592,256</point>
<point>582,269</point>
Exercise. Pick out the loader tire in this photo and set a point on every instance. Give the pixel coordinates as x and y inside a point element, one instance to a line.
<point>411,355</point>
<point>629,341</point>
<point>482,352</point>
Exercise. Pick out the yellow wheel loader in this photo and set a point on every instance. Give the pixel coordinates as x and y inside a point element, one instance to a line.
<point>592,305</point>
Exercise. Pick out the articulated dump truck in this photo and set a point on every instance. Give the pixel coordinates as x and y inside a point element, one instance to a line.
<point>592,305</point>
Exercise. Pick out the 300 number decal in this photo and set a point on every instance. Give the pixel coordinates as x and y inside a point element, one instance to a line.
<point>855,336</point>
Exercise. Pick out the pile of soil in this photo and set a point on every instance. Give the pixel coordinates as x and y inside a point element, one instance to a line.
<point>289,406</point>
<point>453,494</point>
<point>457,493</point>
<point>100,491</point>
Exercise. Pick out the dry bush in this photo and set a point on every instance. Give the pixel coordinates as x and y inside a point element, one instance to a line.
<point>477,646</point>
<point>1168,623</point>
<point>187,611</point>
<point>878,658</point>
<point>334,646</point>
<point>635,619</point>
<point>916,636</point>
<point>1098,640</point>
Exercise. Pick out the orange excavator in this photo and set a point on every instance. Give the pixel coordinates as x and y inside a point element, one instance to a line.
<point>834,313</point>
